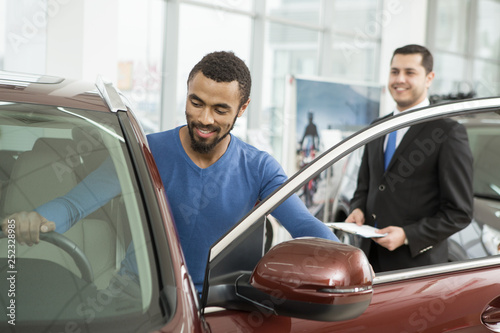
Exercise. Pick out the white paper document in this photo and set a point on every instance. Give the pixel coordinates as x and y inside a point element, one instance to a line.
<point>366,231</point>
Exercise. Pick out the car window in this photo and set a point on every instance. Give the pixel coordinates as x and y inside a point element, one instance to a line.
<point>334,188</point>
<point>484,137</point>
<point>482,236</point>
<point>420,284</point>
<point>51,159</point>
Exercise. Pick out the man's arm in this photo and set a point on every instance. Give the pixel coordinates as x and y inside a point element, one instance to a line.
<point>292,214</point>
<point>296,218</point>
<point>60,214</point>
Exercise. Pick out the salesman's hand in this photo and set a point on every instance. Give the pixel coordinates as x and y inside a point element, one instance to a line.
<point>395,238</point>
<point>28,226</point>
<point>357,216</point>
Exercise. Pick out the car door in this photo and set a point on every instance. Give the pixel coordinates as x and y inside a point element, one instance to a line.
<point>460,296</point>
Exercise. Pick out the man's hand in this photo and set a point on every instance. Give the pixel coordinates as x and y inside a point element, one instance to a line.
<point>28,226</point>
<point>357,216</point>
<point>395,238</point>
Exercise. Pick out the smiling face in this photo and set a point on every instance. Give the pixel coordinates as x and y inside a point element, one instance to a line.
<point>408,80</point>
<point>211,110</point>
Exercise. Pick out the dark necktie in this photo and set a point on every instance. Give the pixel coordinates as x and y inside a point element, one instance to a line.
<point>390,148</point>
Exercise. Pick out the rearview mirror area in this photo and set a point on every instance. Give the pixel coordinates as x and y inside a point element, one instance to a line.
<point>310,278</point>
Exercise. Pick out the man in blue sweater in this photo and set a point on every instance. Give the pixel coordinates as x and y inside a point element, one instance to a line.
<point>224,176</point>
<point>212,179</point>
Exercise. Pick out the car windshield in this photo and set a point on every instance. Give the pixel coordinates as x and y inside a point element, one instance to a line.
<point>107,283</point>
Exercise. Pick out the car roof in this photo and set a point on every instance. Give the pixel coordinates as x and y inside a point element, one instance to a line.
<point>50,90</point>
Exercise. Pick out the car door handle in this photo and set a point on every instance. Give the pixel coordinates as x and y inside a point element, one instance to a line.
<point>491,316</point>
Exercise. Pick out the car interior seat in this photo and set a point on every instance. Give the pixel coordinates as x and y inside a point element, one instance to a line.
<point>93,153</point>
<point>44,173</point>
<point>39,175</point>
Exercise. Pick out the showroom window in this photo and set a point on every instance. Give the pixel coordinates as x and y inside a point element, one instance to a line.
<point>275,38</point>
<point>139,58</point>
<point>467,61</point>
<point>150,56</point>
<point>315,39</point>
<point>3,13</point>
<point>355,40</point>
<point>290,51</point>
<point>246,5</point>
<point>23,34</point>
<point>150,46</point>
<point>82,39</point>
<point>299,11</point>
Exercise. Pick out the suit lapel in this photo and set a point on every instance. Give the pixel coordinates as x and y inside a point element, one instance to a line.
<point>379,162</point>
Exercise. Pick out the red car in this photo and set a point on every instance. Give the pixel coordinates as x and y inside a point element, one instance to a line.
<point>54,132</point>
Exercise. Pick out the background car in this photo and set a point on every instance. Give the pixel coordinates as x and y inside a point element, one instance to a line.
<point>55,132</point>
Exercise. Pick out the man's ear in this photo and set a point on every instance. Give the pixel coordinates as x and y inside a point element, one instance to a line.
<point>243,108</point>
<point>429,79</point>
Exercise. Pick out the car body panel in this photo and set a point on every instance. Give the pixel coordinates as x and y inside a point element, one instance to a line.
<point>447,302</point>
<point>64,93</point>
<point>431,300</point>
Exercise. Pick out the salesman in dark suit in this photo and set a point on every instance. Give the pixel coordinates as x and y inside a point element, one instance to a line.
<point>423,193</point>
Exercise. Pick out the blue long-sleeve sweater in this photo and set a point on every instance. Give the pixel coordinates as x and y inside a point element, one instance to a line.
<point>206,203</point>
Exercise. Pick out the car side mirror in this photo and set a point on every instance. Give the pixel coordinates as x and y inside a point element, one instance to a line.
<point>310,278</point>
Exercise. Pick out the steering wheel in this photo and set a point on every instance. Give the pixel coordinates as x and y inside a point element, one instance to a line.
<point>67,245</point>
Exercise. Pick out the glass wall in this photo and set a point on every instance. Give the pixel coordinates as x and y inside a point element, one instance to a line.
<point>3,13</point>
<point>464,36</point>
<point>150,46</point>
<point>23,35</point>
<point>355,40</point>
<point>486,68</point>
<point>290,51</point>
<point>139,56</point>
<point>120,40</point>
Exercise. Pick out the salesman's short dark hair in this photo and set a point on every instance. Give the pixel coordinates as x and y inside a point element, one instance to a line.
<point>427,59</point>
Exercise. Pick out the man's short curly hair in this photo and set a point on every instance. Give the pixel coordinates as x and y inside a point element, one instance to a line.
<point>224,66</point>
<point>427,59</point>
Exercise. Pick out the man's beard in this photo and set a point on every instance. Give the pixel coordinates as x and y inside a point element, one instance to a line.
<point>203,147</point>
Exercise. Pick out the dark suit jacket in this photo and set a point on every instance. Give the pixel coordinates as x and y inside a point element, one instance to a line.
<point>426,190</point>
